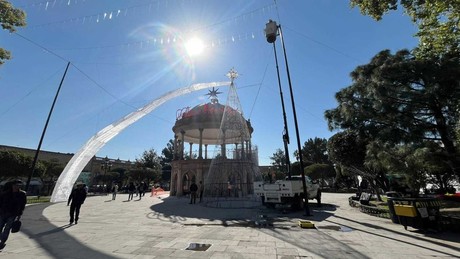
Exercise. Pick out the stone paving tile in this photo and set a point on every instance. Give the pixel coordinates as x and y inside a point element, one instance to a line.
<point>163,228</point>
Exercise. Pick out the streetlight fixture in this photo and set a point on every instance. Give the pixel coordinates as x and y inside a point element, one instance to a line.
<point>106,165</point>
<point>272,30</point>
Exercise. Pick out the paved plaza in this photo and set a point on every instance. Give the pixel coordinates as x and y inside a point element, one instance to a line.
<point>168,227</point>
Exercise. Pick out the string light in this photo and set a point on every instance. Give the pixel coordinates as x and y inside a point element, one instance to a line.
<point>112,14</point>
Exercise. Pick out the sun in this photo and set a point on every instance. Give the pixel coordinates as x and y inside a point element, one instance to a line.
<point>194,46</point>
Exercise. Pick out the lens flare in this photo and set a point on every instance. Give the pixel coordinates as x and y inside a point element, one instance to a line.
<point>194,46</point>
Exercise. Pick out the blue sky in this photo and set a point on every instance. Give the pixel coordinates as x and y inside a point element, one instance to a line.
<point>124,54</point>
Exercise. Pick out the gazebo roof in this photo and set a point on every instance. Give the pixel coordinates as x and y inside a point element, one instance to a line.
<point>208,117</point>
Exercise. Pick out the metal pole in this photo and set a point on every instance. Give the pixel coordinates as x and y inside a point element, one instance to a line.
<point>34,163</point>
<point>286,132</point>
<point>307,209</point>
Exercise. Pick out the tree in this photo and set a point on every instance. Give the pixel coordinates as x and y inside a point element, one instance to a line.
<point>279,163</point>
<point>149,159</point>
<point>314,151</point>
<point>148,167</point>
<point>144,174</point>
<point>14,164</point>
<point>10,18</point>
<point>418,164</point>
<point>400,99</point>
<point>347,150</point>
<point>323,172</point>
<point>437,21</point>
<point>48,172</point>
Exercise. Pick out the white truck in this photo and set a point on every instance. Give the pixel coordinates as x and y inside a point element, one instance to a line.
<point>287,192</point>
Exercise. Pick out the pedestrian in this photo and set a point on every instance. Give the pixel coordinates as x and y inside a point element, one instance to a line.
<point>201,189</point>
<point>131,189</point>
<point>193,189</point>
<point>12,203</point>
<point>76,199</point>
<point>146,187</point>
<point>114,190</point>
<point>140,189</point>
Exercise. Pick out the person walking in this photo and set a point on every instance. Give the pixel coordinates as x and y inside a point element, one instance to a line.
<point>114,191</point>
<point>131,189</point>
<point>76,199</point>
<point>141,190</point>
<point>12,203</point>
<point>146,187</point>
<point>193,189</point>
<point>201,189</point>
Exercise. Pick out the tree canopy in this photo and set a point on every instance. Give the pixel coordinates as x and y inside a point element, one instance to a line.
<point>400,99</point>
<point>437,21</point>
<point>314,151</point>
<point>279,164</point>
<point>10,18</point>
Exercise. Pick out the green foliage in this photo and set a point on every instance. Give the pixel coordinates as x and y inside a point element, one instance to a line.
<point>398,99</point>
<point>14,164</point>
<point>149,159</point>
<point>144,174</point>
<point>437,21</point>
<point>314,151</point>
<point>295,168</point>
<point>167,156</point>
<point>148,167</point>
<point>323,172</point>
<point>347,149</point>
<point>279,163</point>
<point>10,18</point>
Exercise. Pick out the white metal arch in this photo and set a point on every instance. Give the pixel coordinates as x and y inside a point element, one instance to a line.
<point>74,167</point>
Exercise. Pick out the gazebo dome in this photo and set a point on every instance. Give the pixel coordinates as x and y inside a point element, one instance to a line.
<point>208,117</point>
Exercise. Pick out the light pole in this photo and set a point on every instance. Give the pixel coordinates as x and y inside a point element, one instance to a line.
<point>37,152</point>
<point>106,165</point>
<point>272,30</point>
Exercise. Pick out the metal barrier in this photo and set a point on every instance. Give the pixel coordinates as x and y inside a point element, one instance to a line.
<point>415,212</point>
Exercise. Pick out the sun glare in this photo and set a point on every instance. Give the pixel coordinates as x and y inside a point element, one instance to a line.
<point>194,46</point>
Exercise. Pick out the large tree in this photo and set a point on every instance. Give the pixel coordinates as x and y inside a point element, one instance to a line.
<point>10,18</point>
<point>166,159</point>
<point>14,164</point>
<point>437,21</point>
<point>400,99</point>
<point>347,150</point>
<point>314,151</point>
<point>148,166</point>
<point>279,164</point>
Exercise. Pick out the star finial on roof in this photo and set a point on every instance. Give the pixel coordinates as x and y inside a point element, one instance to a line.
<point>213,95</point>
<point>232,74</point>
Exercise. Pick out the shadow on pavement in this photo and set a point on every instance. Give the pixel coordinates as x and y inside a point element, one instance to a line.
<point>442,236</point>
<point>53,239</point>
<point>178,210</point>
<point>283,223</point>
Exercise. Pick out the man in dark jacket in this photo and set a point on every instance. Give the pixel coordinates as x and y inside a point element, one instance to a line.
<point>77,197</point>
<point>12,203</point>
<point>193,189</point>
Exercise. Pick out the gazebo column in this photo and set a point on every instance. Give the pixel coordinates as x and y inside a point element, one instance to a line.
<point>248,151</point>
<point>182,145</point>
<point>175,147</point>
<point>190,153</point>
<point>250,147</point>
<point>180,176</point>
<point>236,151</point>
<point>200,148</point>
<point>205,151</point>
<point>222,147</point>
<point>243,152</point>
